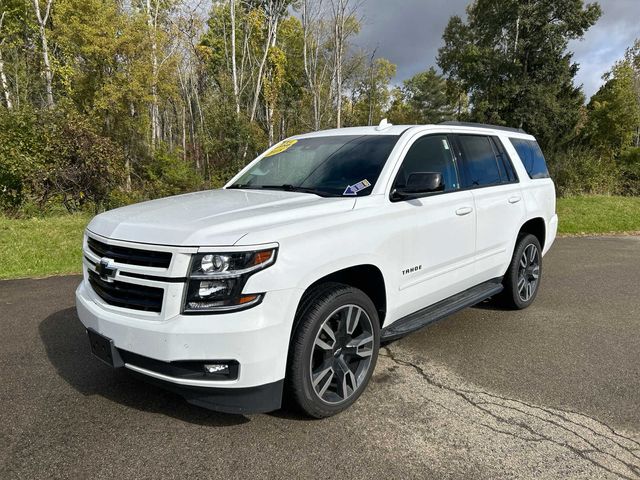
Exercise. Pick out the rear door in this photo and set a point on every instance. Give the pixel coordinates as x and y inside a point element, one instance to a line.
<point>489,175</point>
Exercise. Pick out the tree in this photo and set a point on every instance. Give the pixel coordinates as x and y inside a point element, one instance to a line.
<point>3,78</point>
<point>314,46</point>
<point>48,73</point>
<point>81,165</point>
<point>234,63</point>
<point>273,11</point>
<point>345,25</point>
<point>173,91</point>
<point>426,94</point>
<point>371,95</point>
<point>511,57</point>
<point>632,56</point>
<point>614,112</point>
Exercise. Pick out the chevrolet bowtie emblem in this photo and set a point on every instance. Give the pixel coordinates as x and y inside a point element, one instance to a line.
<point>105,269</point>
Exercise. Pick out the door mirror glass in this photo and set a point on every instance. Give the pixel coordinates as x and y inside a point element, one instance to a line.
<point>420,184</point>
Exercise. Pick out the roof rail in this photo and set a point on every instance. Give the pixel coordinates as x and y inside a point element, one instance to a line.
<point>482,125</point>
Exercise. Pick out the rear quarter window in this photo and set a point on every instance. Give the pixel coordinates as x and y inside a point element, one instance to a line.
<point>532,158</point>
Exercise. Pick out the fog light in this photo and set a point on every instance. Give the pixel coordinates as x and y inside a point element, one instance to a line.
<point>218,368</point>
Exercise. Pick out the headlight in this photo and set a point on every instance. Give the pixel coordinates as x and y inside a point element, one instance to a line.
<point>216,280</point>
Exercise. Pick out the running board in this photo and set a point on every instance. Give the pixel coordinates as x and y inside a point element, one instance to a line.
<point>440,310</point>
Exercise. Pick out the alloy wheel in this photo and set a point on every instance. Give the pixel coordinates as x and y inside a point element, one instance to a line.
<point>341,355</point>
<point>528,272</point>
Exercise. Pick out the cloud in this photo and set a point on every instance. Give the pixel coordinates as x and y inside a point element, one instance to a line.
<point>409,33</point>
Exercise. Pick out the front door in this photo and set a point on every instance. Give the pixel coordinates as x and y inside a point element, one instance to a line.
<point>436,233</point>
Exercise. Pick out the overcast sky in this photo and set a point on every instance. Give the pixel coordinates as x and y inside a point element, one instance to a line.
<point>409,33</point>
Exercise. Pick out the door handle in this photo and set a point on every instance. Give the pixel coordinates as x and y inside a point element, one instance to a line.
<point>515,199</point>
<point>464,211</point>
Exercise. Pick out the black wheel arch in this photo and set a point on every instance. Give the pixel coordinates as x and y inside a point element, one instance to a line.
<point>537,227</point>
<point>365,277</point>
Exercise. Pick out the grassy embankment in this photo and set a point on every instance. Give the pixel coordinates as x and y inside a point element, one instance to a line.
<point>37,247</point>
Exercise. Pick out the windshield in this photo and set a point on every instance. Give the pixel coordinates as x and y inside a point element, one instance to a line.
<point>346,165</point>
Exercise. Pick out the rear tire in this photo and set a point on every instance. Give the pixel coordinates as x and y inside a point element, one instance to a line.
<point>334,349</point>
<point>522,280</point>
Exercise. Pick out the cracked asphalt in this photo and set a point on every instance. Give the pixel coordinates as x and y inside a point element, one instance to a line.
<point>549,392</point>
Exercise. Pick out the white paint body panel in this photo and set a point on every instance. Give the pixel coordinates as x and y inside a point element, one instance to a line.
<point>316,237</point>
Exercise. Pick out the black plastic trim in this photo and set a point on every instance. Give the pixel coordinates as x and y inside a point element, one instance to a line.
<point>504,156</point>
<point>142,276</point>
<point>183,369</point>
<point>244,401</point>
<point>127,295</point>
<point>130,256</point>
<point>444,308</point>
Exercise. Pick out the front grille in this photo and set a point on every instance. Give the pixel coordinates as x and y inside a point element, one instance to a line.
<point>131,256</point>
<point>127,295</point>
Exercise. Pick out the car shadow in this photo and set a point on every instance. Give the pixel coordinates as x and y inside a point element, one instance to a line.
<point>67,347</point>
<point>492,304</point>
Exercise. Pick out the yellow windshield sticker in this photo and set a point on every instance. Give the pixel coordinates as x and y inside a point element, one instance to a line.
<point>281,147</point>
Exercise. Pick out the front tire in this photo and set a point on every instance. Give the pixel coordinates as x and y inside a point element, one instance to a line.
<point>334,349</point>
<point>522,280</point>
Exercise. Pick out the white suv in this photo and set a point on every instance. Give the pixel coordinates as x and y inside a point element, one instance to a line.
<point>289,277</point>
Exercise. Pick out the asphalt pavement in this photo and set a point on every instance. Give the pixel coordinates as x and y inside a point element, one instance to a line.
<point>549,392</point>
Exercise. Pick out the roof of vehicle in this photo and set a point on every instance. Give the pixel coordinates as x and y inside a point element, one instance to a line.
<point>388,129</point>
<point>482,125</point>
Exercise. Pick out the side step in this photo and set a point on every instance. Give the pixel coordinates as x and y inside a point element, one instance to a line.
<point>440,310</point>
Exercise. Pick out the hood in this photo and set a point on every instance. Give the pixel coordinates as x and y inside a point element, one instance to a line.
<point>211,218</point>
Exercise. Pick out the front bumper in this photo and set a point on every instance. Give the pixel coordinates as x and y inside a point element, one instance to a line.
<point>257,338</point>
<point>243,400</point>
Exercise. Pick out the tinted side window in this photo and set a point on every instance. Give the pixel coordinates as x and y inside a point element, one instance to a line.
<point>480,161</point>
<point>430,154</point>
<point>531,156</point>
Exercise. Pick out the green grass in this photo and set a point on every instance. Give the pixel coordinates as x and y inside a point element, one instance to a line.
<point>598,214</point>
<point>38,247</point>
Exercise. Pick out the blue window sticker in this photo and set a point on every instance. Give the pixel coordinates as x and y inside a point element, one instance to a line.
<point>352,190</point>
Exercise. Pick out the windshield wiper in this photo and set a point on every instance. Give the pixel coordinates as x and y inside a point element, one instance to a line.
<point>286,188</point>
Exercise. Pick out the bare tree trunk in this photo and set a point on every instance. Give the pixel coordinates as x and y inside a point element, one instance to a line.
<point>372,87</point>
<point>339,8</point>
<point>342,12</point>
<point>283,129</point>
<point>273,10</point>
<point>234,66</point>
<point>338,29</point>
<point>152,23</point>
<point>305,57</point>
<point>127,161</point>
<point>48,74</point>
<point>184,132</point>
<point>245,55</point>
<point>3,78</point>
<point>270,104</point>
<point>5,85</point>
<point>270,32</point>
<point>270,126</point>
<point>311,53</point>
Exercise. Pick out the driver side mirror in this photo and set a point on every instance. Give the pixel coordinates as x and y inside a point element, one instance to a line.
<point>418,185</point>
